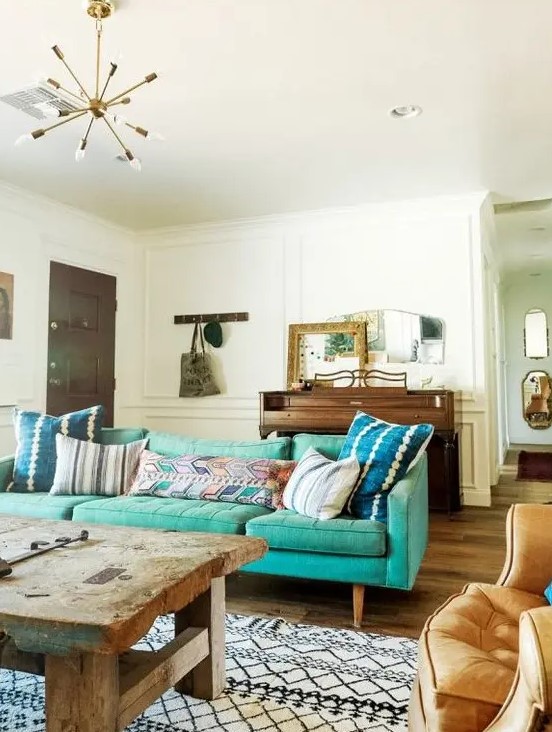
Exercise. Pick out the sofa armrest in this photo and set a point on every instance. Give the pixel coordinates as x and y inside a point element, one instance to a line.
<point>528,564</point>
<point>529,702</point>
<point>407,507</point>
<point>6,472</point>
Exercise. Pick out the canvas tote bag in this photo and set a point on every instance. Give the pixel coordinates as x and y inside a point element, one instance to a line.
<point>196,375</point>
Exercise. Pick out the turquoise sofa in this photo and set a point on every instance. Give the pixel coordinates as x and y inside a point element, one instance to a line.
<point>344,549</point>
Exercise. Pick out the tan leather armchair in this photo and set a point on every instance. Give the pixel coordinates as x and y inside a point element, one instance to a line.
<point>485,656</point>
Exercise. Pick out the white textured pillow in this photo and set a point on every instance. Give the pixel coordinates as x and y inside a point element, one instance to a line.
<point>88,468</point>
<point>319,487</point>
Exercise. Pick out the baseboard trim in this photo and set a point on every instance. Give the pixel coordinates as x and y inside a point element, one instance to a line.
<point>475,497</point>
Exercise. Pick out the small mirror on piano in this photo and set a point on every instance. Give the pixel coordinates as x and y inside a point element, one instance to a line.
<point>397,336</point>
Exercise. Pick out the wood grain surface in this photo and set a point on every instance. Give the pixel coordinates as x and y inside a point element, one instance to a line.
<point>46,605</point>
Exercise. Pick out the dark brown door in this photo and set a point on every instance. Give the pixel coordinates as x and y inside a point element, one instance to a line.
<point>81,340</point>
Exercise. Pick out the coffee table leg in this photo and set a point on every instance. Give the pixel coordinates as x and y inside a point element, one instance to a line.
<point>82,693</point>
<point>208,678</point>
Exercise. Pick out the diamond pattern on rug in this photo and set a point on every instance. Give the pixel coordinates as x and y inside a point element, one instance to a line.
<point>280,677</point>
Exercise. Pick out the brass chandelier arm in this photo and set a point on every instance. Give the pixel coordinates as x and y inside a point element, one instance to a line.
<point>43,130</point>
<point>139,130</point>
<point>61,57</point>
<point>116,136</point>
<point>149,78</point>
<point>126,100</point>
<point>87,133</point>
<point>57,85</point>
<point>109,77</point>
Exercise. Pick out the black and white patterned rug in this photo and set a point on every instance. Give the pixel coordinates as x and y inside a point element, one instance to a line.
<point>280,677</point>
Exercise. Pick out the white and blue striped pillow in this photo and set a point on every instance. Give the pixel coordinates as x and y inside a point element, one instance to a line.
<point>386,452</point>
<point>35,457</point>
<point>319,487</point>
<point>88,469</point>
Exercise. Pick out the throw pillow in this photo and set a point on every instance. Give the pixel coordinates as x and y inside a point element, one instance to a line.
<point>319,487</point>
<point>87,468</point>
<point>259,481</point>
<point>386,452</point>
<point>35,456</point>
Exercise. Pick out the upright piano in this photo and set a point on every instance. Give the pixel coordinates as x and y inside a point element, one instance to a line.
<point>331,411</point>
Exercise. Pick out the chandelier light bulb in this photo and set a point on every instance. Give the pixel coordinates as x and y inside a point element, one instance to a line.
<point>50,111</point>
<point>154,137</point>
<point>23,139</point>
<point>119,119</point>
<point>136,164</point>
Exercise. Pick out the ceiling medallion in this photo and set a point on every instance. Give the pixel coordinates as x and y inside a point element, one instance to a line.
<point>95,106</point>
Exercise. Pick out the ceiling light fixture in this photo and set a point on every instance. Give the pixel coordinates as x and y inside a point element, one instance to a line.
<point>94,105</point>
<point>406,111</point>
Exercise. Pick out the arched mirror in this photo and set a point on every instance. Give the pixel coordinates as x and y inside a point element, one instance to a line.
<point>535,334</point>
<point>537,399</point>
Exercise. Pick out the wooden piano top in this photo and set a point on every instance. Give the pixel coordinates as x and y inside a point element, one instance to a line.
<point>332,410</point>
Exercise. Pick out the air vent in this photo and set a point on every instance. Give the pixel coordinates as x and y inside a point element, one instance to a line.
<point>40,100</point>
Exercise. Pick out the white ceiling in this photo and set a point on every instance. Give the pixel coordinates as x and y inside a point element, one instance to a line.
<point>525,240</point>
<point>280,105</point>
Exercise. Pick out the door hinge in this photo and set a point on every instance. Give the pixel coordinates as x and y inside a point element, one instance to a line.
<point>114,384</point>
<point>116,305</point>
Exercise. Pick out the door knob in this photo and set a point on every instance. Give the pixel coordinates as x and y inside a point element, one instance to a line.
<point>54,382</point>
<point>53,325</point>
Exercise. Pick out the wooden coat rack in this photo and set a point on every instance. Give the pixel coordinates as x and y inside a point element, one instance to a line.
<point>210,317</point>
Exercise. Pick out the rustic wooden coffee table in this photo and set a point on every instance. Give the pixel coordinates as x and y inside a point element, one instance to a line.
<point>75,612</point>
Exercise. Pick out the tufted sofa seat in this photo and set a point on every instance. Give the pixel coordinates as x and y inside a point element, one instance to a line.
<point>485,656</point>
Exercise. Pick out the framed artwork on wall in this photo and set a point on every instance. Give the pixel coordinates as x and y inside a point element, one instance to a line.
<point>6,306</point>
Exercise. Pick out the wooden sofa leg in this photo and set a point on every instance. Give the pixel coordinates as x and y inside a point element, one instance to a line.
<point>358,605</point>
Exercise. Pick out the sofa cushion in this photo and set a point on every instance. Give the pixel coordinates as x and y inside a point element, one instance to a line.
<point>289,530</point>
<point>327,445</point>
<point>173,445</point>
<point>172,514</point>
<point>35,457</point>
<point>468,656</point>
<point>41,505</point>
<point>121,435</point>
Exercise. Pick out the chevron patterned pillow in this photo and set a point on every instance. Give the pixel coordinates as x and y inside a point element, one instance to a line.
<point>259,481</point>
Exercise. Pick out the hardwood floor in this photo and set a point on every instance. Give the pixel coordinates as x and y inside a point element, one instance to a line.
<point>468,548</point>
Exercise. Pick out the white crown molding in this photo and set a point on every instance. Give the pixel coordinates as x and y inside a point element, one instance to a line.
<point>19,196</point>
<point>436,205</point>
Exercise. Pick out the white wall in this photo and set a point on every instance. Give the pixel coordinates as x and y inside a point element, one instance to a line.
<point>522,293</point>
<point>423,256</point>
<point>35,231</point>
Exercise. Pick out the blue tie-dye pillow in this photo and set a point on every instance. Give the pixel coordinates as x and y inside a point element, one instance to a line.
<point>386,452</point>
<point>35,457</point>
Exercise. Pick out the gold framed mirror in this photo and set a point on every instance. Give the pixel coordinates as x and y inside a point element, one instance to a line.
<point>536,391</point>
<point>318,348</point>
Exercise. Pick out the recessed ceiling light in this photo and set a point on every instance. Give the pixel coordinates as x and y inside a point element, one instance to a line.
<point>534,274</point>
<point>537,228</point>
<point>405,111</point>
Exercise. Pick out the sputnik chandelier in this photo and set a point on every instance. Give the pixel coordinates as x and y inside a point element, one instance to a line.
<point>96,106</point>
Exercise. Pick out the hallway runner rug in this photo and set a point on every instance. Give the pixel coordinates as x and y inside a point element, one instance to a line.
<point>535,466</point>
<point>280,677</point>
